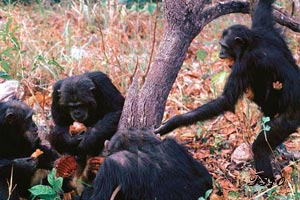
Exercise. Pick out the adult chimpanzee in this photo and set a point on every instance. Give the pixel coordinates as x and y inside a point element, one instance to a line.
<point>261,58</point>
<point>19,139</point>
<point>142,166</point>
<point>91,99</point>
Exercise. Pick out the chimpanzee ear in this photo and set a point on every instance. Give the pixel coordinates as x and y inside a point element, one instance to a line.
<point>10,118</point>
<point>239,40</point>
<point>92,89</point>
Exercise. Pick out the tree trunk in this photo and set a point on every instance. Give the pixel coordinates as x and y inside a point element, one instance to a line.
<point>184,20</point>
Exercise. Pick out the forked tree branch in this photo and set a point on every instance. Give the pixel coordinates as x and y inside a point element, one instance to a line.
<point>213,12</point>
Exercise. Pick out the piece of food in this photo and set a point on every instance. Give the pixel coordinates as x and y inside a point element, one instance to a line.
<point>37,153</point>
<point>65,166</point>
<point>76,128</point>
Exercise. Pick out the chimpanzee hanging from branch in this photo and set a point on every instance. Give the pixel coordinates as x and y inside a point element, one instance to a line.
<point>261,58</point>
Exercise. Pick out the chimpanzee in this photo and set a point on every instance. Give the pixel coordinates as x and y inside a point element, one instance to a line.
<point>261,58</point>
<point>142,166</point>
<point>91,99</point>
<point>19,139</point>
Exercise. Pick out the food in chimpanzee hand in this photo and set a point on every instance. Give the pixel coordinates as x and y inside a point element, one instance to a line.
<point>36,154</point>
<point>77,128</point>
<point>66,166</point>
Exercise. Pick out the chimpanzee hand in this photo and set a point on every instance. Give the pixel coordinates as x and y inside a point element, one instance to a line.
<point>27,164</point>
<point>169,125</point>
<point>90,143</point>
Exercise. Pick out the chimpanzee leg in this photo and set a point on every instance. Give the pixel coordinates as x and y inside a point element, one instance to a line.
<point>281,127</point>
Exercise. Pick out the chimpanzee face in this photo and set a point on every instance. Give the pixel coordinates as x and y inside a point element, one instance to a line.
<point>225,52</point>
<point>18,117</point>
<point>234,41</point>
<point>227,45</point>
<point>78,111</point>
<point>76,96</point>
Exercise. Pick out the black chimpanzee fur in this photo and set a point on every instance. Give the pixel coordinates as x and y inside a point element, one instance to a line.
<point>146,167</point>
<point>91,99</point>
<point>19,139</point>
<point>261,57</point>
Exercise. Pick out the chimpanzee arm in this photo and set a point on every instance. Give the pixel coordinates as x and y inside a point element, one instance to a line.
<point>111,101</point>
<point>234,88</point>
<point>263,17</point>
<point>62,141</point>
<point>94,138</point>
<point>46,160</point>
<point>21,164</point>
<point>110,96</point>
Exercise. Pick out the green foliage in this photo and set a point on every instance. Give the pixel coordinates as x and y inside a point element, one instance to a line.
<point>48,192</point>
<point>201,55</point>
<point>10,52</point>
<point>207,194</point>
<point>264,125</point>
<point>218,80</point>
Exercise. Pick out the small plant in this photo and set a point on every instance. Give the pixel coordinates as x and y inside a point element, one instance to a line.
<point>50,192</point>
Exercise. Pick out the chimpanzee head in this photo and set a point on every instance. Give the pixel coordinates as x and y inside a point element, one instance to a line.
<point>76,95</point>
<point>16,122</point>
<point>234,41</point>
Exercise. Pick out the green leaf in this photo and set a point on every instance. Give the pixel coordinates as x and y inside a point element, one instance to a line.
<point>267,128</point>
<point>151,8</point>
<point>15,41</point>
<point>56,183</point>
<point>53,62</point>
<point>5,65</point>
<point>7,53</point>
<point>265,119</point>
<point>208,193</point>
<point>40,190</point>
<point>5,75</point>
<point>201,55</point>
<point>219,78</point>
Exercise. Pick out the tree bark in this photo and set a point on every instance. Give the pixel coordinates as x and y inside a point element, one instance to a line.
<point>184,20</point>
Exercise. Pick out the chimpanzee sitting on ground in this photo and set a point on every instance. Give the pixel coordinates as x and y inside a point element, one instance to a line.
<point>142,166</point>
<point>19,139</point>
<point>261,60</point>
<point>91,99</point>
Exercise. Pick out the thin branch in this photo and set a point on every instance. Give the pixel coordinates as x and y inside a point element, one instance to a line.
<point>223,8</point>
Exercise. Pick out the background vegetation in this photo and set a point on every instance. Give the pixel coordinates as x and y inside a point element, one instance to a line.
<point>42,42</point>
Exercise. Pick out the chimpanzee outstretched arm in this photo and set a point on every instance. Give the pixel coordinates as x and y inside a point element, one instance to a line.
<point>235,86</point>
<point>280,128</point>
<point>263,17</point>
<point>23,164</point>
<point>94,138</point>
